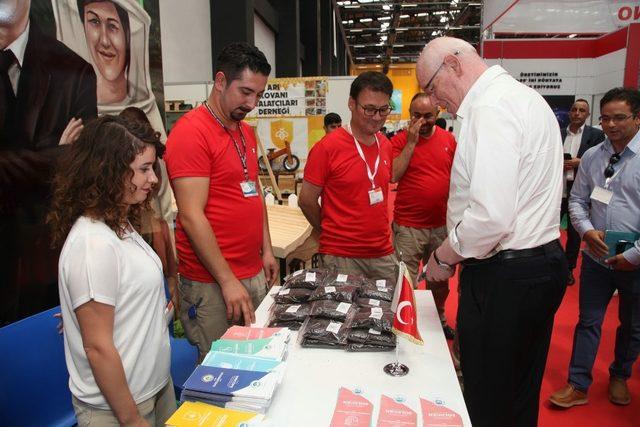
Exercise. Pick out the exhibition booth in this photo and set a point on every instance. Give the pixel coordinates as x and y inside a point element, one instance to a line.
<point>313,386</point>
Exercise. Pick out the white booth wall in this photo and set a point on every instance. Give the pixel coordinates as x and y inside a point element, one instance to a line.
<point>186,41</point>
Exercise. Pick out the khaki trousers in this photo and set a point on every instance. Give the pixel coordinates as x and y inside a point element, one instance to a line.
<point>211,322</point>
<point>415,245</point>
<point>155,410</point>
<point>373,268</point>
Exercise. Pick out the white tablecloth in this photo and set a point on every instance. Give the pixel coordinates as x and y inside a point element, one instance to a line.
<point>308,393</point>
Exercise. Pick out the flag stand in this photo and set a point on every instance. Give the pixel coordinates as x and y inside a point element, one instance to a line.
<point>396,369</point>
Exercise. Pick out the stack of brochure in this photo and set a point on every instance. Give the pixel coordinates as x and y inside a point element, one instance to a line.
<point>198,414</point>
<point>241,371</point>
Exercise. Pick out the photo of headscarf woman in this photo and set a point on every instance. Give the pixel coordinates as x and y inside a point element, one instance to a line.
<point>112,35</point>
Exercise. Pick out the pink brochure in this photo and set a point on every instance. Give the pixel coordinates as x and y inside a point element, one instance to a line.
<point>394,412</point>
<point>352,409</point>
<point>438,415</point>
<point>243,333</point>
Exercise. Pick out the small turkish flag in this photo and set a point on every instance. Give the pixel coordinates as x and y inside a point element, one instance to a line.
<point>405,320</point>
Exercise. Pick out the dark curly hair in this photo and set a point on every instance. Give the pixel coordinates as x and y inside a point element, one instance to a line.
<point>91,178</point>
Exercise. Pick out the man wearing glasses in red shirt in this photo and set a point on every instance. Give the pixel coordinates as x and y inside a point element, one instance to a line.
<point>350,169</point>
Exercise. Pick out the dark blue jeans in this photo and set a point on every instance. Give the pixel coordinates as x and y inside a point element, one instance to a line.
<point>597,284</point>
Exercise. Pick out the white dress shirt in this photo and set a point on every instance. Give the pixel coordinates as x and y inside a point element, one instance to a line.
<point>18,47</point>
<point>572,146</point>
<point>506,181</point>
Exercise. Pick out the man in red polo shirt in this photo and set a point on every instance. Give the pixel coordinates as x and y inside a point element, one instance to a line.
<point>350,169</point>
<point>422,160</point>
<point>222,234</point>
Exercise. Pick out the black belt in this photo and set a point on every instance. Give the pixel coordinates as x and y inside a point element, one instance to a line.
<point>514,254</point>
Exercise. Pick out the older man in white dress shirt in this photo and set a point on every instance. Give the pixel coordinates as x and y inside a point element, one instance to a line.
<point>503,224</point>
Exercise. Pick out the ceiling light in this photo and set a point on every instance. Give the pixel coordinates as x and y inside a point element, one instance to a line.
<point>400,29</point>
<point>366,20</point>
<point>383,38</point>
<point>409,5</point>
<point>398,45</point>
<point>404,16</point>
<point>422,14</point>
<point>358,45</point>
<point>355,30</point>
<point>352,6</point>
<point>384,18</point>
<point>440,12</point>
<point>386,7</point>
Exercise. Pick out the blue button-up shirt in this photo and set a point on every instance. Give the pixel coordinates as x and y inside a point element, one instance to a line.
<point>623,211</point>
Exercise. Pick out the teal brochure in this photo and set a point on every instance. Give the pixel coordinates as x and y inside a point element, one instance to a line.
<point>219,359</point>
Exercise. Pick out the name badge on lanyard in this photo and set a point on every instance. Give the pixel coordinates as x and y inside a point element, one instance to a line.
<point>247,186</point>
<point>249,189</point>
<point>375,194</point>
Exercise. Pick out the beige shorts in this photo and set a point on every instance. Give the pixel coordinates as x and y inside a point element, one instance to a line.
<point>211,313</point>
<point>155,410</point>
<point>416,244</point>
<point>373,268</point>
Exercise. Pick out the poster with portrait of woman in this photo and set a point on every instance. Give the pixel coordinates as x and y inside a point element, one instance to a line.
<point>114,36</point>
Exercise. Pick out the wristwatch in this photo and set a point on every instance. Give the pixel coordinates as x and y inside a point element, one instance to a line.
<point>443,264</point>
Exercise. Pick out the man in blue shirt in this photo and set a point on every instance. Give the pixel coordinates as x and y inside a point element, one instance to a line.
<point>606,196</point>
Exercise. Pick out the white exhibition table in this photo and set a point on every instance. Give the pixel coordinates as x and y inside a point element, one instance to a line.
<point>308,393</point>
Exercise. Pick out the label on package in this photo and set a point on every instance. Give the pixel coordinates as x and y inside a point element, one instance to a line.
<point>310,277</point>
<point>293,309</point>
<point>343,307</point>
<point>329,289</point>
<point>334,327</point>
<point>342,278</point>
<point>376,313</point>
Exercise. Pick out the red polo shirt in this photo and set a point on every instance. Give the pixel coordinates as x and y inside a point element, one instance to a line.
<point>351,226</point>
<point>423,190</point>
<point>200,147</point>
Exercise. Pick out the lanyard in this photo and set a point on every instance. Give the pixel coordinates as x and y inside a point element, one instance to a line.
<point>607,181</point>
<point>243,156</point>
<point>372,175</point>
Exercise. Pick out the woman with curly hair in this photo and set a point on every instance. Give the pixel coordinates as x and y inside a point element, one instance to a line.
<point>110,281</point>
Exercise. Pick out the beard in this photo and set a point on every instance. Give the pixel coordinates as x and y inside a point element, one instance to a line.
<point>239,114</point>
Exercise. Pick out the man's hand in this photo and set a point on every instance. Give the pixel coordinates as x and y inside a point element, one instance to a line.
<point>436,273</point>
<point>174,292</point>
<point>271,267</point>
<point>595,242</point>
<point>72,131</point>
<point>413,131</point>
<point>60,325</point>
<point>620,263</point>
<point>238,302</point>
<point>571,164</point>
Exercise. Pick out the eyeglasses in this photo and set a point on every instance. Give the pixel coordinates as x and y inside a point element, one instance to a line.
<point>371,111</point>
<point>609,171</point>
<point>618,118</point>
<point>428,88</point>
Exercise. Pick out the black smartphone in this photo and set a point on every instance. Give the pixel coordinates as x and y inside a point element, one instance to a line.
<point>567,156</point>
<point>621,246</point>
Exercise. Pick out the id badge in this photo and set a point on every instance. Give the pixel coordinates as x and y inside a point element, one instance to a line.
<point>248,189</point>
<point>602,195</point>
<point>375,196</point>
